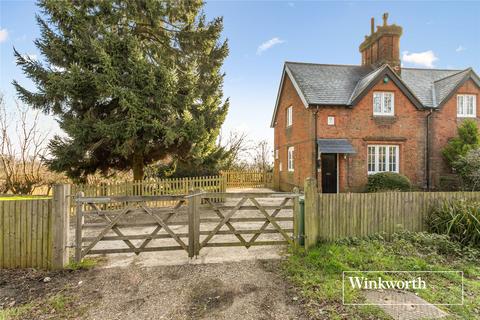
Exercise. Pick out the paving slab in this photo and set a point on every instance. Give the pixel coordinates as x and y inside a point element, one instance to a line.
<point>404,305</point>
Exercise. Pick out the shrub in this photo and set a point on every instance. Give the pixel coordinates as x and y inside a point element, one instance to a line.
<point>459,219</point>
<point>388,181</point>
<point>468,138</point>
<point>468,167</point>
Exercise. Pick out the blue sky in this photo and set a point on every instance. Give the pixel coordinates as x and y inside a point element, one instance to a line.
<point>262,35</point>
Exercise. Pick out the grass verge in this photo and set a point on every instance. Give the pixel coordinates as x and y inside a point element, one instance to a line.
<point>318,273</point>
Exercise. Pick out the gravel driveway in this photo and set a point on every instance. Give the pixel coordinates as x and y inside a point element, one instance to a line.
<point>237,290</point>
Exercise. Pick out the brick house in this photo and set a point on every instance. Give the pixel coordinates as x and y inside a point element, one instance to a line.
<point>340,123</point>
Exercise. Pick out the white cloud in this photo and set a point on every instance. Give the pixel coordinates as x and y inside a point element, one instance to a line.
<point>30,56</point>
<point>268,44</point>
<point>56,68</point>
<point>3,35</point>
<point>460,48</point>
<point>425,59</point>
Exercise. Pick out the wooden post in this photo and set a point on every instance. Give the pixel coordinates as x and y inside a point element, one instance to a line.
<point>60,225</point>
<point>296,216</point>
<point>193,223</point>
<point>78,230</point>
<point>196,209</point>
<point>311,213</point>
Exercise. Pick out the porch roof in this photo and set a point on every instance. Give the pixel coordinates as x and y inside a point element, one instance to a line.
<point>335,146</point>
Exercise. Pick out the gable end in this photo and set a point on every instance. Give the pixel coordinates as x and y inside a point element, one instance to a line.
<point>386,71</point>
<point>287,72</point>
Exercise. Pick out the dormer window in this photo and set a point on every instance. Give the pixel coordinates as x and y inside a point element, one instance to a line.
<point>289,116</point>
<point>383,104</point>
<point>466,106</point>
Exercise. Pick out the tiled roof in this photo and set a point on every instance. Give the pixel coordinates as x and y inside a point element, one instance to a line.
<point>326,84</point>
<point>444,86</point>
<point>421,82</point>
<point>336,85</point>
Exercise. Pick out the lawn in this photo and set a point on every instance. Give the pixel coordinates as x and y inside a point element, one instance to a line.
<point>318,273</point>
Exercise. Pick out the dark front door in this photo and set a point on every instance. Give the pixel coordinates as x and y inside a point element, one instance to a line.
<point>329,172</point>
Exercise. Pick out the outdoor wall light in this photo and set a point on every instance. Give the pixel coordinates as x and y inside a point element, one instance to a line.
<point>385,80</point>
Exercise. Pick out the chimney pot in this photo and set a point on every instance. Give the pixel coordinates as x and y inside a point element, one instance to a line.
<point>372,25</point>
<point>385,18</point>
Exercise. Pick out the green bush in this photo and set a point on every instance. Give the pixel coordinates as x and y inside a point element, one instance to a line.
<point>388,181</point>
<point>468,138</point>
<point>459,219</point>
<point>468,167</point>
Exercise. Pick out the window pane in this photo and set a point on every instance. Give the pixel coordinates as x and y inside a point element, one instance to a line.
<point>377,102</point>
<point>387,103</point>
<point>289,116</point>
<point>382,153</point>
<point>460,105</point>
<point>392,159</point>
<point>470,106</point>
<point>290,159</point>
<point>371,159</point>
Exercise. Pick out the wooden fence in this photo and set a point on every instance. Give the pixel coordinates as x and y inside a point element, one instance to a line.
<point>334,216</point>
<point>33,232</point>
<point>248,179</point>
<point>154,187</point>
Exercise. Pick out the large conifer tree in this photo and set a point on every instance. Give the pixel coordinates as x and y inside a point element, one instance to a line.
<point>129,81</point>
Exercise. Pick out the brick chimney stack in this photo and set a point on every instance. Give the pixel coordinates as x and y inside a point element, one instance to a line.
<point>382,46</point>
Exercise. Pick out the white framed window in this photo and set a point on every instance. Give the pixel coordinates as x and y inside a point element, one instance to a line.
<point>383,158</point>
<point>276,154</point>
<point>466,106</point>
<point>289,116</point>
<point>331,121</point>
<point>290,158</point>
<point>280,166</point>
<point>383,104</point>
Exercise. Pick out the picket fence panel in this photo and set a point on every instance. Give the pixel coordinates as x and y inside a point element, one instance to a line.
<point>248,179</point>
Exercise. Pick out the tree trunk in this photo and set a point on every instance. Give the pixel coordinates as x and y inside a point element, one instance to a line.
<point>137,166</point>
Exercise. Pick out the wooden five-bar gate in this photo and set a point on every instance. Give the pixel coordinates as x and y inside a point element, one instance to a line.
<point>136,224</point>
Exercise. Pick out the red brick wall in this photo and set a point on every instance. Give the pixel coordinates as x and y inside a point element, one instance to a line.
<point>357,124</point>
<point>298,135</point>
<point>444,124</point>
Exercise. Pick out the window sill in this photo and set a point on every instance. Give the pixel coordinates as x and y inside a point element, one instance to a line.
<point>372,173</point>
<point>466,117</point>
<point>383,120</point>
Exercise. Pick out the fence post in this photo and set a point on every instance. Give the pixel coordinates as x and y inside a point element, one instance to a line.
<point>296,216</point>
<point>311,213</point>
<point>60,225</point>
<point>78,229</point>
<point>194,223</point>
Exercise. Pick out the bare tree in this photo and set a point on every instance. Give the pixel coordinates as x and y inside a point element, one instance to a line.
<point>22,149</point>
<point>262,156</point>
<point>239,147</point>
